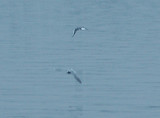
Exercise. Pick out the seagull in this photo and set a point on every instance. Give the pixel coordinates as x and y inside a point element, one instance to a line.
<point>78,28</point>
<point>71,71</point>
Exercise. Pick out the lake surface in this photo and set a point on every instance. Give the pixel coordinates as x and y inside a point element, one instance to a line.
<point>117,59</point>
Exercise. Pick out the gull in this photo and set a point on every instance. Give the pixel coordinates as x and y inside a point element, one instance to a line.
<point>77,29</point>
<point>71,71</point>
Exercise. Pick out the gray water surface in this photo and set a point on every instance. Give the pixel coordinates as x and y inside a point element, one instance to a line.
<point>118,59</point>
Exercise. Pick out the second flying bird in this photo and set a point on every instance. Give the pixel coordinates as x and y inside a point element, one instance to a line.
<point>77,29</point>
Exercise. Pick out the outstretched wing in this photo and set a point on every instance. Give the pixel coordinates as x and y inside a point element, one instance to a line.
<point>78,28</point>
<point>77,78</point>
<point>74,32</point>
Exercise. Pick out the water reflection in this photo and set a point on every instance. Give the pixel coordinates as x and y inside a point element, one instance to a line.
<point>75,111</point>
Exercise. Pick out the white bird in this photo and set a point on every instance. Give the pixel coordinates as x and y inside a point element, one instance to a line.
<point>77,29</point>
<point>71,71</point>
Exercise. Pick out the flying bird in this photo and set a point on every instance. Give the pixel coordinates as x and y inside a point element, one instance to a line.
<point>77,29</point>
<point>72,72</point>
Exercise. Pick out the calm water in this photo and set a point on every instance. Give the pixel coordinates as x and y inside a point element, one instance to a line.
<point>118,59</point>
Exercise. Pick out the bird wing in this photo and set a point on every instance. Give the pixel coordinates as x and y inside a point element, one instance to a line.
<point>78,28</point>
<point>74,32</point>
<point>77,78</point>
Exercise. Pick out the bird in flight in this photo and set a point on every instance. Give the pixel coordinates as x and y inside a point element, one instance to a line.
<point>77,29</point>
<point>71,71</point>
